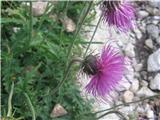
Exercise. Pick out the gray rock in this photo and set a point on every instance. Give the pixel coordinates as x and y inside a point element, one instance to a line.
<point>153,30</point>
<point>16,29</point>
<point>149,43</point>
<point>124,85</point>
<point>38,8</point>
<point>156,12</point>
<point>144,83</point>
<point>58,111</point>
<point>143,14</point>
<point>154,61</point>
<point>128,96</point>
<point>158,40</point>
<point>129,50</point>
<point>144,74</point>
<point>68,23</point>
<point>155,83</point>
<point>155,3</point>
<point>138,67</point>
<point>138,33</point>
<point>145,92</point>
<point>150,114</point>
<point>135,85</point>
<point>126,111</point>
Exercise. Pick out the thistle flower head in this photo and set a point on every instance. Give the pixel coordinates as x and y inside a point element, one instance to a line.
<point>118,14</point>
<point>105,71</point>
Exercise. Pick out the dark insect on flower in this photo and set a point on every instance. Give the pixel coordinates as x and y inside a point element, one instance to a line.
<point>118,14</point>
<point>105,71</point>
<point>89,65</point>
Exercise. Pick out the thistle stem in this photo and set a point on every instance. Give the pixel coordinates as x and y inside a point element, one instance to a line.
<point>31,106</point>
<point>43,16</point>
<point>65,14</point>
<point>111,112</point>
<point>66,8</point>
<point>93,36</point>
<point>67,72</point>
<point>77,31</point>
<point>124,104</point>
<point>10,100</point>
<point>30,23</point>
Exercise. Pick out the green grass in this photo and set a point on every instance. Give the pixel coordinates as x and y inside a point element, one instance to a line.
<point>34,59</point>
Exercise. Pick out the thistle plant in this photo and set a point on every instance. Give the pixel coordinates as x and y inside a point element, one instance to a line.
<point>118,14</point>
<point>40,56</point>
<point>105,71</point>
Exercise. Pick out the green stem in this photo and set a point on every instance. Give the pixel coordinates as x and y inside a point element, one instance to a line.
<point>77,31</point>
<point>66,8</point>
<point>124,104</point>
<point>92,36</point>
<point>65,14</point>
<point>10,100</point>
<point>43,16</point>
<point>111,112</point>
<point>31,106</point>
<point>30,23</point>
<point>67,72</point>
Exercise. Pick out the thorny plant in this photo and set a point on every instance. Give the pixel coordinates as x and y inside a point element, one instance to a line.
<point>37,59</point>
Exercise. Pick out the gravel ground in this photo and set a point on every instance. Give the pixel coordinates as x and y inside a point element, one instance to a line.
<point>142,77</point>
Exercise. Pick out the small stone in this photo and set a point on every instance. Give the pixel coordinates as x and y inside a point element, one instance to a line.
<point>129,51</point>
<point>140,109</point>
<point>150,78</point>
<point>145,92</point>
<point>38,8</point>
<point>58,111</point>
<point>142,14</point>
<point>16,29</point>
<point>128,96</point>
<point>155,83</point>
<point>153,30</point>
<point>68,23</point>
<point>138,67</point>
<point>137,75</point>
<point>156,12</point>
<point>155,4</point>
<point>126,111</point>
<point>144,83</point>
<point>135,85</point>
<point>130,77</point>
<point>150,115</point>
<point>158,40</point>
<point>149,43</point>
<point>124,85</point>
<point>154,61</point>
<point>138,33</point>
<point>146,107</point>
<point>144,74</point>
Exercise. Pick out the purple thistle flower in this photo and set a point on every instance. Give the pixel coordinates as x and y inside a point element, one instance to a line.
<point>106,71</point>
<point>118,14</point>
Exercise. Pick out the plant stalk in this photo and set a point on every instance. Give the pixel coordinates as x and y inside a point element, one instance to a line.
<point>43,16</point>
<point>30,22</point>
<point>92,36</point>
<point>111,112</point>
<point>31,106</point>
<point>128,103</point>
<point>10,101</point>
<point>67,72</point>
<point>77,31</point>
